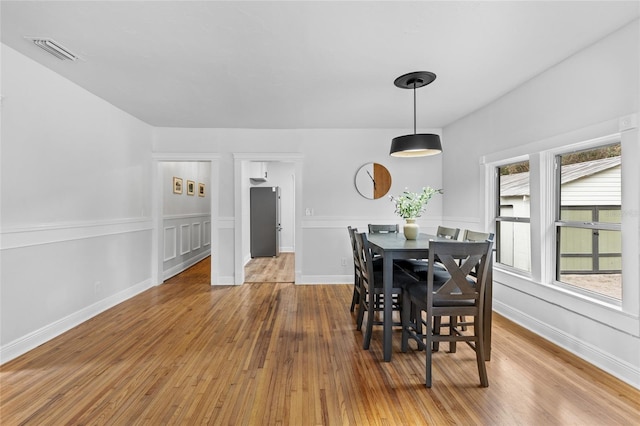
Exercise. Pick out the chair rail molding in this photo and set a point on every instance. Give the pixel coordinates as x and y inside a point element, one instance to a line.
<point>47,233</point>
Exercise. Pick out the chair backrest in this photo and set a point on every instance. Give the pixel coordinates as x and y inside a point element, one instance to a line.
<point>366,262</point>
<point>469,235</point>
<point>474,236</point>
<point>354,250</point>
<point>459,291</point>
<point>451,233</point>
<point>380,229</point>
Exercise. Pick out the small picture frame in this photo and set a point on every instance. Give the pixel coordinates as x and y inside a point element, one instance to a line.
<point>191,187</point>
<point>201,190</point>
<point>177,185</point>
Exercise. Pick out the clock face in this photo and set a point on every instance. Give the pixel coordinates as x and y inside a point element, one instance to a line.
<point>373,181</point>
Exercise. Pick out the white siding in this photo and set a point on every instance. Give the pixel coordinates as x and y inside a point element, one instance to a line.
<point>600,189</point>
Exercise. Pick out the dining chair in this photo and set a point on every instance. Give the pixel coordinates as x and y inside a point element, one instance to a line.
<point>469,235</point>
<point>417,266</point>
<point>357,291</point>
<point>372,297</point>
<point>473,236</point>
<point>449,233</point>
<point>380,229</point>
<point>452,293</point>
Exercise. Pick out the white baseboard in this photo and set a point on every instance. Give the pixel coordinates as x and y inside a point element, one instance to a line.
<point>175,270</point>
<point>226,280</point>
<point>34,339</point>
<point>594,355</point>
<point>325,279</point>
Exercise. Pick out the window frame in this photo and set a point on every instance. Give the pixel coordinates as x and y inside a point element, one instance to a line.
<point>594,226</point>
<point>508,219</point>
<point>540,283</point>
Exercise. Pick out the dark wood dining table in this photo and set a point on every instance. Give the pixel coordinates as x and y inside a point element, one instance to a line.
<point>393,246</point>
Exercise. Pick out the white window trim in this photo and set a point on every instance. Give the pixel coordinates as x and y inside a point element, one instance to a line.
<point>494,167</point>
<point>539,283</point>
<point>550,158</point>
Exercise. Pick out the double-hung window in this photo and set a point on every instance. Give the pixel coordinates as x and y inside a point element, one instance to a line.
<point>588,220</point>
<point>513,234</point>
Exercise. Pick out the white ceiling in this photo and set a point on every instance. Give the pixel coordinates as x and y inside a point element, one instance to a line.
<point>303,64</point>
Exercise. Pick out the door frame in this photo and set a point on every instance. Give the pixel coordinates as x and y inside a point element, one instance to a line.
<point>157,209</point>
<point>241,207</point>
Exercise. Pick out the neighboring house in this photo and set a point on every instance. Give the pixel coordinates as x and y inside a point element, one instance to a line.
<point>590,193</point>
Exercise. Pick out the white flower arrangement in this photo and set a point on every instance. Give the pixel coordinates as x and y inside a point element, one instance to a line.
<point>410,205</point>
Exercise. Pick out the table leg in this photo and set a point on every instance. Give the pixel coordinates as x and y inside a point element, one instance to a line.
<point>387,282</point>
<point>488,310</point>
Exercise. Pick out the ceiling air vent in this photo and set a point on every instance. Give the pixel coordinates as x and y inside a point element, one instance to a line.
<point>53,47</point>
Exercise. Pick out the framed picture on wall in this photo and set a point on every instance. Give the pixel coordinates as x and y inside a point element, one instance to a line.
<point>201,190</point>
<point>191,187</point>
<point>177,185</point>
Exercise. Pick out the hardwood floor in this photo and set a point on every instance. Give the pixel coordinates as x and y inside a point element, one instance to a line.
<point>263,354</point>
<point>271,269</point>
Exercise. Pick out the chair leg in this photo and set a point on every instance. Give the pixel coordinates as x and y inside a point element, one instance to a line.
<point>429,342</point>
<point>479,347</point>
<point>360,316</point>
<point>371,304</point>
<point>355,298</point>
<point>463,319</point>
<point>437,323</point>
<point>453,324</point>
<point>405,315</point>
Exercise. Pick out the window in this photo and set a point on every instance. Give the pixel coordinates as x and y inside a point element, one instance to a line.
<point>513,236</point>
<point>588,220</point>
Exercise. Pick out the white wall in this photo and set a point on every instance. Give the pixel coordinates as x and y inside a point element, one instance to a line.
<point>76,207</point>
<point>581,98</point>
<point>186,228</point>
<point>331,160</point>
<point>76,202</point>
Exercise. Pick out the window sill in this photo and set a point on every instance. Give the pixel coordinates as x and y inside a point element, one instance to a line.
<point>604,312</point>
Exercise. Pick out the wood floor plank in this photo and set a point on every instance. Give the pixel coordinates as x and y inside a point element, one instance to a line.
<point>276,353</point>
<point>271,269</point>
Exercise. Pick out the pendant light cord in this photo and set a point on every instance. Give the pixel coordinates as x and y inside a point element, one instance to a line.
<point>414,107</point>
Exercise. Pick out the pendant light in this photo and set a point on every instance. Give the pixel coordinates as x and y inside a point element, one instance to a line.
<point>415,145</point>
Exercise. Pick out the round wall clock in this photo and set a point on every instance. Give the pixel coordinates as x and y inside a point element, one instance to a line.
<point>373,181</point>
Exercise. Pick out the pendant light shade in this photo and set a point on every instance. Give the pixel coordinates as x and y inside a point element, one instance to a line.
<point>415,145</point>
<point>419,145</point>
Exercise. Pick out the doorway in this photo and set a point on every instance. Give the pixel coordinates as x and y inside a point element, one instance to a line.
<point>286,170</point>
<point>197,235</point>
<point>271,269</point>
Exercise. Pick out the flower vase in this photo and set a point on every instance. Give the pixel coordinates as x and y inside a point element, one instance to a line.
<point>411,229</point>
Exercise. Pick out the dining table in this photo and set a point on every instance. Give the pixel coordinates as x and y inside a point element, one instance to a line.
<point>394,246</point>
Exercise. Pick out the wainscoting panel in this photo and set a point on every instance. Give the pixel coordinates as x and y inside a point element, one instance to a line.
<point>169,243</point>
<point>185,239</point>
<point>187,244</point>
<point>207,233</point>
<point>196,235</point>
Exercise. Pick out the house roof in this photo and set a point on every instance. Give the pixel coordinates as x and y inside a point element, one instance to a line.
<point>518,184</point>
